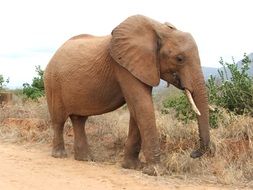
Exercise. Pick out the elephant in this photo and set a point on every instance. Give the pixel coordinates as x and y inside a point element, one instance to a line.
<point>90,75</point>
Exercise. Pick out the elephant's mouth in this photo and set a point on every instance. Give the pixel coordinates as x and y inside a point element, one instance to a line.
<point>176,84</point>
<point>172,78</point>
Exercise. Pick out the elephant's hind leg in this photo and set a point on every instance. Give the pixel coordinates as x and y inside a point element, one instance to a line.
<point>58,141</point>
<point>133,146</point>
<point>81,149</point>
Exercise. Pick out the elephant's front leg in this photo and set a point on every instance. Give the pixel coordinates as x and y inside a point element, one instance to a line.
<point>141,108</point>
<point>138,97</point>
<point>145,118</point>
<point>133,146</point>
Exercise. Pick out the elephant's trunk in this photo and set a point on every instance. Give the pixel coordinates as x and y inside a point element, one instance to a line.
<point>201,99</point>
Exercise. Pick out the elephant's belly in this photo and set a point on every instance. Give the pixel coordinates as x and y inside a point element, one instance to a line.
<point>91,100</point>
<point>91,107</point>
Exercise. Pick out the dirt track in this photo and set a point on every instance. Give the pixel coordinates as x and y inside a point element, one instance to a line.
<point>26,168</point>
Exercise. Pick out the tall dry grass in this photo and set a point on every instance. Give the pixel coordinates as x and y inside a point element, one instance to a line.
<point>24,121</point>
<point>232,162</point>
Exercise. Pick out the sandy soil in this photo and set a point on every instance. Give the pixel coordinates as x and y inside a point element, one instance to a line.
<point>28,168</point>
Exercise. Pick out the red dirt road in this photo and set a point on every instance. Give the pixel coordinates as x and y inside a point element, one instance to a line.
<point>29,168</point>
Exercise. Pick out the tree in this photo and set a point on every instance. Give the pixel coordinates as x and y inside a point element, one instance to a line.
<point>36,89</point>
<point>2,81</point>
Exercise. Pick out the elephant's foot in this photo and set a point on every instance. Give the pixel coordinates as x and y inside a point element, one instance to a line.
<point>209,150</point>
<point>200,152</point>
<point>59,153</point>
<point>82,154</point>
<point>132,164</point>
<point>153,170</point>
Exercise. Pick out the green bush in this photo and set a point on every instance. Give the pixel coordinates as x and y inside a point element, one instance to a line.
<point>36,89</point>
<point>182,107</point>
<point>232,90</point>
<point>184,111</point>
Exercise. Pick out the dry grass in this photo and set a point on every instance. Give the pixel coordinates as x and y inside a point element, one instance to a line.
<point>231,164</point>
<point>25,122</point>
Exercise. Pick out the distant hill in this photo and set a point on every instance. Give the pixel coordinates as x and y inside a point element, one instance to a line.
<point>207,71</point>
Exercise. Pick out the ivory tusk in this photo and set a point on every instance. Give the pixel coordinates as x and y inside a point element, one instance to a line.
<point>211,108</point>
<point>194,107</point>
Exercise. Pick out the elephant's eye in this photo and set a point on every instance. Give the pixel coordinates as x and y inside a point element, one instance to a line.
<point>180,59</point>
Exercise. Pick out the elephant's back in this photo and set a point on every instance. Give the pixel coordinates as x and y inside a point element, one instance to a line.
<point>81,36</point>
<point>83,48</point>
<point>75,60</point>
<point>79,52</point>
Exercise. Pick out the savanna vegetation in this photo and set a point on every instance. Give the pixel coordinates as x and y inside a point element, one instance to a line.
<point>36,89</point>
<point>230,161</point>
<point>3,82</point>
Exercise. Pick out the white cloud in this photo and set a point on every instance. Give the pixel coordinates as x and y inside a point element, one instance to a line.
<point>32,30</point>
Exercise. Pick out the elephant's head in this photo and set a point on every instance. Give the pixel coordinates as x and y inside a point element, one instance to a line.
<point>152,51</point>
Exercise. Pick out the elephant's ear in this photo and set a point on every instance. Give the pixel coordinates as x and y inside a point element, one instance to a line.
<point>134,46</point>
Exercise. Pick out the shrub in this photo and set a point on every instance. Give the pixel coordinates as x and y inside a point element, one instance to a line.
<point>2,81</point>
<point>233,89</point>
<point>36,89</point>
<point>184,111</point>
<point>181,105</point>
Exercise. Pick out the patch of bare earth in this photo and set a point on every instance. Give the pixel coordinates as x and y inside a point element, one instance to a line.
<point>23,167</point>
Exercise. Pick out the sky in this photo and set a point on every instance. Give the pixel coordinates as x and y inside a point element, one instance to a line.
<point>32,30</point>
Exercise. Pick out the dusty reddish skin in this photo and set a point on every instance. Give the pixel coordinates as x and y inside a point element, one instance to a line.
<point>92,75</point>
